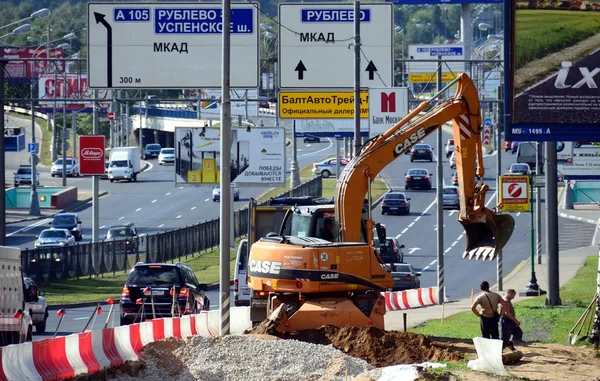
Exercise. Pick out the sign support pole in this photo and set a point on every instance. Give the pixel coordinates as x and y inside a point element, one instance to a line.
<point>141,131</point>
<point>2,154</point>
<point>440,200</point>
<point>532,289</point>
<point>225,205</point>
<point>538,205</point>
<point>499,277</point>
<point>65,137</point>
<point>295,171</point>
<point>553,298</point>
<point>337,159</point>
<point>357,138</point>
<point>95,180</point>
<point>34,203</point>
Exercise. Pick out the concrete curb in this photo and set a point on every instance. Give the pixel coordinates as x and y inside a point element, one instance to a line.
<point>66,210</point>
<point>55,307</point>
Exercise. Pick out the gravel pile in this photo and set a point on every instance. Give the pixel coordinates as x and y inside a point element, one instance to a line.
<point>245,358</point>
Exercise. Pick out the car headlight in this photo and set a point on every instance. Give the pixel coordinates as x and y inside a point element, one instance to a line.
<point>38,244</point>
<point>61,243</point>
<point>74,229</point>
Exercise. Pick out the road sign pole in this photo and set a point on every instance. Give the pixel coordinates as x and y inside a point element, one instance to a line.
<point>553,298</point>
<point>225,205</point>
<point>440,200</point>
<point>65,136</point>
<point>538,206</point>
<point>95,181</point>
<point>499,277</point>
<point>2,155</point>
<point>295,171</point>
<point>532,289</point>
<point>357,138</point>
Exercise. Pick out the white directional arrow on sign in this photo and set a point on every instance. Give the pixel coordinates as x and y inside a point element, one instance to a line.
<point>413,249</point>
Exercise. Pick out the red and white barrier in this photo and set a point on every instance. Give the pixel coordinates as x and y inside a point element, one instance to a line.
<point>407,299</point>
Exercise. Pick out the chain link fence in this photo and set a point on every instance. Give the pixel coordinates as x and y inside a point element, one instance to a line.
<point>88,259</point>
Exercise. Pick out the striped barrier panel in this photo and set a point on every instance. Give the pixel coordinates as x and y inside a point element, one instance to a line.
<point>407,299</point>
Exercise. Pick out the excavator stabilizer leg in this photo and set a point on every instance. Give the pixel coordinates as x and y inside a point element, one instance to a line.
<point>485,239</point>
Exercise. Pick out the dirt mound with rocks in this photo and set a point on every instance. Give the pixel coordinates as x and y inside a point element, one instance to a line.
<point>376,346</point>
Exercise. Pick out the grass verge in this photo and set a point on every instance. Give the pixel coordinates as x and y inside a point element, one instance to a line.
<point>99,288</point>
<point>540,32</point>
<point>539,322</point>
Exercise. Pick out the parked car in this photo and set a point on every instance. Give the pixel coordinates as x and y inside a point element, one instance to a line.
<point>69,221</point>
<point>393,250</point>
<point>163,289</point>
<point>417,178</point>
<point>37,310</point>
<point>520,169</point>
<point>166,156</point>
<point>450,197</point>
<point>216,194</point>
<point>405,277</point>
<point>421,152</point>
<point>453,160</point>
<point>449,148</point>
<point>312,139</point>
<point>328,167</point>
<point>395,202</point>
<point>53,238</point>
<point>124,236</point>
<point>72,167</point>
<point>151,150</point>
<point>23,176</point>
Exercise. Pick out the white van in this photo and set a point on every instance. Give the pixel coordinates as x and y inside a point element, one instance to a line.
<point>241,291</point>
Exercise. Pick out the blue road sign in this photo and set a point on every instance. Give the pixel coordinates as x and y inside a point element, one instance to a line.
<point>487,122</point>
<point>32,148</point>
<point>419,2</point>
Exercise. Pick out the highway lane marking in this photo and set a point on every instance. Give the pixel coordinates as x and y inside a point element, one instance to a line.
<point>595,233</point>
<point>454,243</point>
<point>417,218</point>
<point>207,199</point>
<point>29,227</point>
<point>179,216</point>
<point>518,214</point>
<point>161,225</point>
<point>121,218</point>
<point>404,231</point>
<point>192,208</point>
<point>425,268</point>
<point>447,250</point>
<point>411,224</point>
<point>433,262</point>
<point>138,209</point>
<point>452,212</point>
<point>102,227</point>
<point>153,201</point>
<point>80,318</point>
<point>181,187</point>
<point>167,194</point>
<point>319,151</point>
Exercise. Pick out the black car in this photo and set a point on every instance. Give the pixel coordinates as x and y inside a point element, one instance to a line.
<point>405,277</point>
<point>168,290</point>
<point>151,150</point>
<point>395,202</point>
<point>124,237</point>
<point>418,178</point>
<point>312,139</point>
<point>392,252</point>
<point>69,221</point>
<point>421,152</point>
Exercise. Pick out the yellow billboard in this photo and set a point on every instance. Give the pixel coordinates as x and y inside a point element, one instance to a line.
<point>321,105</point>
<point>514,193</point>
<point>430,77</point>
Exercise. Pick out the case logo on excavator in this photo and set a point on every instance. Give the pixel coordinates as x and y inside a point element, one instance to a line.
<point>330,276</point>
<point>407,143</point>
<point>265,267</point>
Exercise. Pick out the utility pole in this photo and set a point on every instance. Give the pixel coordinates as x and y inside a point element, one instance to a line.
<point>127,129</point>
<point>225,205</point>
<point>440,200</point>
<point>141,131</point>
<point>65,136</point>
<point>357,138</point>
<point>501,124</point>
<point>34,202</point>
<point>2,156</point>
<point>552,247</point>
<point>112,122</point>
<point>538,204</point>
<point>295,171</point>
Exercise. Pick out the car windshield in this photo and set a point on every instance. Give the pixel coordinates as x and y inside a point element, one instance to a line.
<point>119,164</point>
<point>63,220</point>
<point>153,146</point>
<point>53,234</point>
<point>119,232</point>
<point>24,171</point>
<point>394,196</point>
<point>417,172</point>
<point>403,268</point>
<point>153,275</point>
<point>422,146</point>
<point>520,167</point>
<point>60,162</point>
<point>168,151</point>
<point>449,190</point>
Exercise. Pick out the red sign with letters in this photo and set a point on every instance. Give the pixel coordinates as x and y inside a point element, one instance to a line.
<point>91,155</point>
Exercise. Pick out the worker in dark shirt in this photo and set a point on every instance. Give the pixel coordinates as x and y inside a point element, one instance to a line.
<point>326,232</point>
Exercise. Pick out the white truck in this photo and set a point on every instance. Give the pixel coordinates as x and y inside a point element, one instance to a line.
<point>15,320</point>
<point>124,164</point>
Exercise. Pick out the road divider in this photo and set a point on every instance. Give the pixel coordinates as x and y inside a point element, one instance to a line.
<point>415,298</point>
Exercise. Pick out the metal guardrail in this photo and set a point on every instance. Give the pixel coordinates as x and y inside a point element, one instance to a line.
<point>88,259</point>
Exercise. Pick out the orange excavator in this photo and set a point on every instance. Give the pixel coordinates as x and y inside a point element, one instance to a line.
<point>322,268</point>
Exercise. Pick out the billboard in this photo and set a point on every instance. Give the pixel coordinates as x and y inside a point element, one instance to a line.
<point>578,160</point>
<point>329,128</point>
<point>257,156</point>
<point>427,70</point>
<point>387,106</point>
<point>91,155</point>
<point>22,70</point>
<point>71,86</point>
<point>554,77</point>
<point>492,81</point>
<point>237,107</point>
<point>514,195</point>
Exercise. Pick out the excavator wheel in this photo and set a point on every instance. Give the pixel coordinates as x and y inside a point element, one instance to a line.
<point>485,239</point>
<point>365,306</point>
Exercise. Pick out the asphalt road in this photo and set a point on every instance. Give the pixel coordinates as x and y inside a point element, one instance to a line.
<point>153,203</point>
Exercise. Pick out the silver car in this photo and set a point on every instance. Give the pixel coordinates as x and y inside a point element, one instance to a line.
<point>216,194</point>
<point>328,167</point>
<point>53,237</point>
<point>405,277</point>
<point>450,197</point>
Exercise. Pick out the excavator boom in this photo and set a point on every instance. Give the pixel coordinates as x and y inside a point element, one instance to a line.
<point>487,232</point>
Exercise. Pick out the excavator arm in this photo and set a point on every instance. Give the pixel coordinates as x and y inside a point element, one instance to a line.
<point>487,232</point>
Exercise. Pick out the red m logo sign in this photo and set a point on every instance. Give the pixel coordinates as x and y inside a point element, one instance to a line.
<point>388,102</point>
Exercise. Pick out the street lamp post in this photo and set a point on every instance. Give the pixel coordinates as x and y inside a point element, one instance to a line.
<point>23,29</point>
<point>37,14</point>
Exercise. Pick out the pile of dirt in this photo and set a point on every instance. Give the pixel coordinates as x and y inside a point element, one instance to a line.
<point>378,347</point>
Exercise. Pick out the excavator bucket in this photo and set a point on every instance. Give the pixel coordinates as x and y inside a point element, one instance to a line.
<point>485,239</point>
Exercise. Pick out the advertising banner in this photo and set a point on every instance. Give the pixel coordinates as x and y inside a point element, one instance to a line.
<point>91,155</point>
<point>72,86</point>
<point>257,156</point>
<point>321,105</point>
<point>387,106</point>
<point>514,196</point>
<point>555,94</point>
<point>22,70</point>
<point>329,128</point>
<point>578,160</point>
<point>237,107</point>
